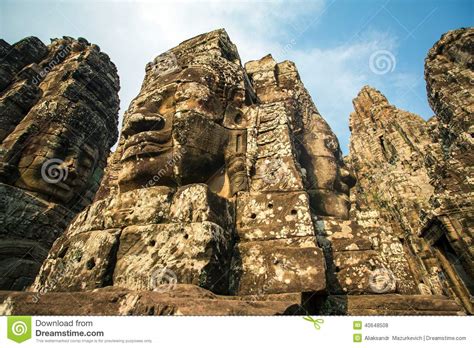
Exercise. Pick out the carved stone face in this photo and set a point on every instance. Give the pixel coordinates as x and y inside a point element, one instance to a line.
<point>329,180</point>
<point>148,144</point>
<point>57,163</point>
<point>334,182</point>
<point>154,151</point>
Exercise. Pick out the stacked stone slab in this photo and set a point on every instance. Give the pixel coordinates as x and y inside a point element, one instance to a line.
<point>276,250</point>
<point>58,118</point>
<point>312,163</point>
<point>181,299</point>
<point>157,217</point>
<point>128,239</point>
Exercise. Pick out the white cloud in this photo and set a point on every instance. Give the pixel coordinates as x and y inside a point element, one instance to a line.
<point>255,27</point>
<point>152,28</point>
<point>132,33</point>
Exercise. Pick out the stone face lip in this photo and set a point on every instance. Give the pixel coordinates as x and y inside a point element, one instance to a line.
<point>228,194</point>
<point>58,120</point>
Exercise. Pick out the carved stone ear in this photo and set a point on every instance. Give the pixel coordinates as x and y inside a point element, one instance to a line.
<point>235,157</point>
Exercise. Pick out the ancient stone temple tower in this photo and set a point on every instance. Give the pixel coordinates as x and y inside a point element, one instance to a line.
<point>414,177</point>
<point>58,119</point>
<point>213,181</point>
<point>449,74</point>
<point>228,194</point>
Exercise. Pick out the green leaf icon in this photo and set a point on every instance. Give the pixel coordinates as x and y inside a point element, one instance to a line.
<point>19,328</point>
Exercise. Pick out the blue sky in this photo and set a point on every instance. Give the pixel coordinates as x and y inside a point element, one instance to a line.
<point>338,45</point>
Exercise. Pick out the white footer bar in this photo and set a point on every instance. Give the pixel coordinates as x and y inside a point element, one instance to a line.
<point>227,332</point>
